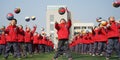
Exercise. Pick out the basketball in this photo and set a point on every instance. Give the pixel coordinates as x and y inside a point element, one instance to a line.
<point>27,19</point>
<point>104,23</point>
<point>61,10</point>
<point>98,19</point>
<point>116,4</point>
<point>33,18</point>
<point>10,16</point>
<point>17,10</point>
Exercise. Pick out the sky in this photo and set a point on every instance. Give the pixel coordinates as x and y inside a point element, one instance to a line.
<point>82,10</point>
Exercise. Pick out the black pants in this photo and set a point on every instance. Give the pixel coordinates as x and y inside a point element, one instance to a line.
<point>63,47</point>
<point>2,49</point>
<point>15,47</point>
<point>28,48</point>
<point>42,48</point>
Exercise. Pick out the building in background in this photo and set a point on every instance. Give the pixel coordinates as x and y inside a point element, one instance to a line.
<point>77,27</point>
<point>53,15</point>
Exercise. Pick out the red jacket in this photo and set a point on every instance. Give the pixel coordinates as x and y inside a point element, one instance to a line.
<point>29,35</point>
<point>79,40</point>
<point>2,40</point>
<point>96,35</point>
<point>86,39</point>
<point>36,39</point>
<point>48,43</point>
<point>113,30</point>
<point>44,40</point>
<point>103,35</point>
<point>40,39</point>
<point>63,30</point>
<point>21,35</point>
<point>12,32</point>
<point>91,38</point>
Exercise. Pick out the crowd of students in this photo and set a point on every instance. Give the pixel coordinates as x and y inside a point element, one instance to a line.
<point>102,41</point>
<point>19,42</point>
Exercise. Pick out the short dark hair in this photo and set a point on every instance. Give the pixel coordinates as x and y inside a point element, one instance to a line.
<point>110,17</point>
<point>21,26</point>
<point>62,19</point>
<point>15,19</point>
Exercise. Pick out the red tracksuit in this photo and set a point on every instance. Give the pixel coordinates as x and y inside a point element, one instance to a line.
<point>96,36</point>
<point>85,39</point>
<point>113,30</point>
<point>40,39</point>
<point>21,35</point>
<point>12,32</point>
<point>2,39</point>
<point>103,35</point>
<point>63,30</point>
<point>44,40</point>
<point>36,39</point>
<point>28,35</point>
<point>91,38</point>
<point>48,43</point>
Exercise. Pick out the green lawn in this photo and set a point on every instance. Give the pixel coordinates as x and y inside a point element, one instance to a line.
<point>48,56</point>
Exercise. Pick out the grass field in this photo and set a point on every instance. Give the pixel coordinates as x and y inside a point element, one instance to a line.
<point>48,56</point>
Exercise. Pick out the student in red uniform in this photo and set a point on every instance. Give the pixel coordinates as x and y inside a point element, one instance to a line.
<point>12,31</point>
<point>49,44</point>
<point>77,43</point>
<point>86,42</point>
<point>2,42</point>
<point>102,40</point>
<point>63,38</point>
<point>28,40</point>
<point>80,43</point>
<point>90,42</point>
<point>72,44</point>
<point>113,37</point>
<point>44,42</point>
<point>40,43</point>
<point>96,39</point>
<point>36,42</point>
<point>21,35</point>
<point>7,38</point>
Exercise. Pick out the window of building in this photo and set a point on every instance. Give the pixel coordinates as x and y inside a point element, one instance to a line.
<point>51,27</point>
<point>89,27</point>
<point>77,27</point>
<point>83,27</point>
<point>51,17</point>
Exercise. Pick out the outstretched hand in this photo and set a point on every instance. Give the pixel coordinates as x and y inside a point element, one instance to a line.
<point>35,26</point>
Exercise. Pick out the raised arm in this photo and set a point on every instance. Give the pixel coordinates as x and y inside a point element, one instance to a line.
<point>69,23</point>
<point>57,26</point>
<point>34,29</point>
